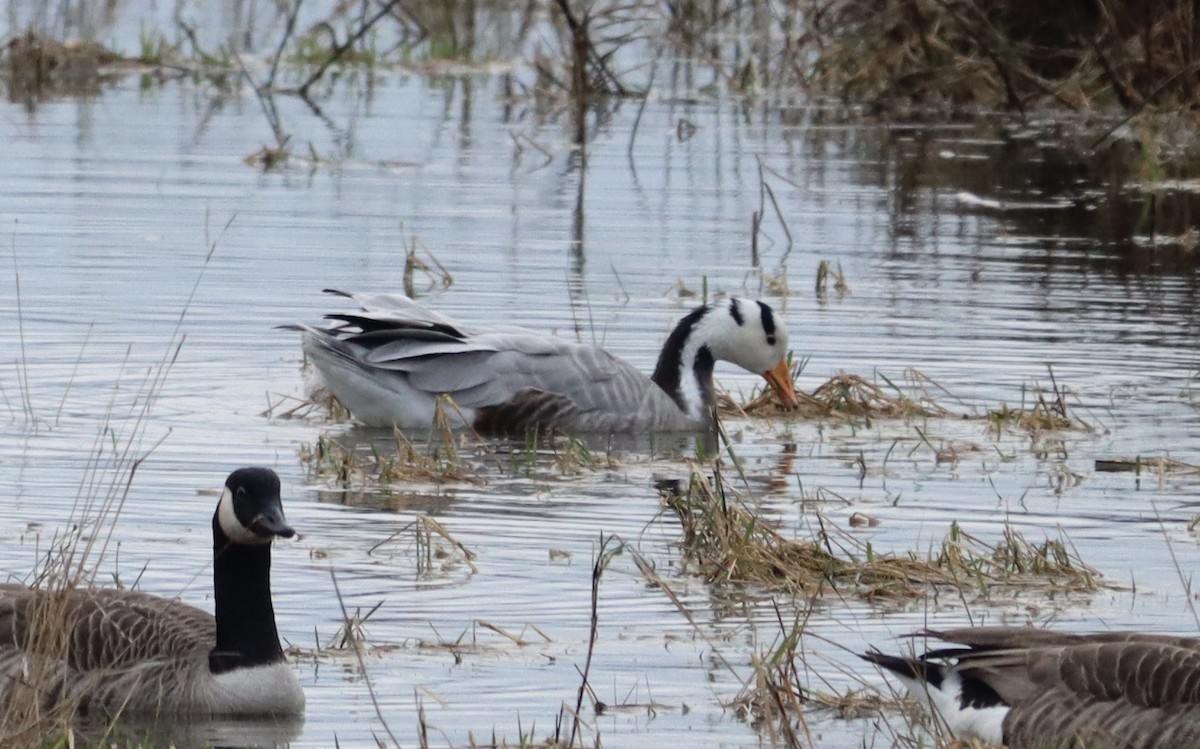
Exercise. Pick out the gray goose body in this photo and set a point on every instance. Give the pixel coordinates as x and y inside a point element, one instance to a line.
<point>389,363</point>
<point>134,653</point>
<point>1036,689</point>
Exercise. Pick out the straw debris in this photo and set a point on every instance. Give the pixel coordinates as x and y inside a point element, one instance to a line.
<point>724,542</point>
<point>36,66</point>
<point>848,397</point>
<point>367,463</point>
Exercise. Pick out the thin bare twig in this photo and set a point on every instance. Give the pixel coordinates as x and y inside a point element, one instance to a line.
<point>340,50</point>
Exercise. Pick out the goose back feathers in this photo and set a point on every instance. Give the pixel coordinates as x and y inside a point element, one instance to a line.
<point>1036,689</point>
<point>131,652</point>
<point>389,363</point>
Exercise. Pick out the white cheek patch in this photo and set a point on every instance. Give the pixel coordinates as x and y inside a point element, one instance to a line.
<point>233,528</point>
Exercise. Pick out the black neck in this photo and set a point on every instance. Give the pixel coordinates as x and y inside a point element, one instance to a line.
<point>246,634</point>
<point>671,367</point>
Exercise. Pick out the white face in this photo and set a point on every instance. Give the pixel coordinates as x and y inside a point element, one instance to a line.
<point>758,344</point>
<point>238,533</point>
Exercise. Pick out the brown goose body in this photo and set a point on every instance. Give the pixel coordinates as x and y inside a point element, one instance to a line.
<point>127,652</point>
<point>1027,688</point>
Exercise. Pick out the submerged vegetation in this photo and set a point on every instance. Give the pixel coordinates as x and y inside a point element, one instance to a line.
<point>725,542</point>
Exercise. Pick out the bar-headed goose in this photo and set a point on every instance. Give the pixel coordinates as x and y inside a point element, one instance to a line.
<point>132,652</point>
<point>1028,688</point>
<point>389,363</point>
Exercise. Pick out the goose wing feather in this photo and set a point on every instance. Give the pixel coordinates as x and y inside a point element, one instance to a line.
<point>1020,662</point>
<point>520,377</point>
<point>399,306</point>
<point>1113,690</point>
<point>107,628</point>
<point>123,650</point>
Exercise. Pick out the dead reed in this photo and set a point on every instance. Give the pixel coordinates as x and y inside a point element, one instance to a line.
<point>370,464</point>
<point>37,66</point>
<point>31,715</point>
<point>847,397</point>
<point>1088,53</point>
<point>1041,410</point>
<point>726,543</point>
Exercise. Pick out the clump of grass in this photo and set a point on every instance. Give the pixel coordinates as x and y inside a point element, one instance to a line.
<point>847,396</point>
<point>852,395</point>
<point>1046,411</point>
<point>431,269</point>
<point>34,712</point>
<point>724,542</point>
<point>825,272</point>
<point>352,635</point>
<point>437,462</point>
<point>969,52</point>
<point>1015,562</point>
<point>37,66</point>
<point>436,549</point>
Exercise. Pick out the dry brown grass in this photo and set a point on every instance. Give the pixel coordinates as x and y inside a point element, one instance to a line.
<point>37,66</point>
<point>438,461</point>
<point>853,398</point>
<point>724,542</point>
<point>1087,53</point>
<point>849,397</point>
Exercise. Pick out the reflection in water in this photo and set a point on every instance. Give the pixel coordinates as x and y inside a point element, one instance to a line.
<point>190,732</point>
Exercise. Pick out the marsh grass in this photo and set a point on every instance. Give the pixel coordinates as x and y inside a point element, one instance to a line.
<point>436,549</point>
<point>724,542</point>
<point>438,461</point>
<point>448,458</point>
<point>852,398</point>
<point>37,66</point>
<point>32,715</point>
<point>969,52</point>
<point>848,397</point>
<point>1041,410</point>
<point>825,273</point>
<point>434,274</point>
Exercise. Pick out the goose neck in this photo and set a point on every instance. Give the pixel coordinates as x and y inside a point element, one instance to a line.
<point>685,368</point>
<point>246,633</point>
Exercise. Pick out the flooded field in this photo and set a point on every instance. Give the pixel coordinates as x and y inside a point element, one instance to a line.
<point>147,266</point>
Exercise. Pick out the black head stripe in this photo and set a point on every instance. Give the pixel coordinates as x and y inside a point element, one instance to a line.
<point>768,319</point>
<point>768,322</point>
<point>735,311</point>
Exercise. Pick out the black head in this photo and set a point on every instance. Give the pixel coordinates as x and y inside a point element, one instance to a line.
<point>250,511</point>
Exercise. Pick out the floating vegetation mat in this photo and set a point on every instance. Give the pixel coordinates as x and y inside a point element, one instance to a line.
<point>724,542</point>
<point>844,396</point>
<point>378,459</point>
<point>437,462</point>
<point>851,397</point>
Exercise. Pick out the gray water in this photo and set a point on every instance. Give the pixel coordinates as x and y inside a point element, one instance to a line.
<point>978,254</point>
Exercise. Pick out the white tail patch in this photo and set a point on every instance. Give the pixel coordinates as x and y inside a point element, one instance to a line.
<point>946,705</point>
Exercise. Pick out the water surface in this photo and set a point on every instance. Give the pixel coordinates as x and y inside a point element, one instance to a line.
<point>978,256</point>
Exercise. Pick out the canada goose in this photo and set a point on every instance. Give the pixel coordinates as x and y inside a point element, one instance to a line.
<point>1029,688</point>
<point>132,652</point>
<point>389,363</point>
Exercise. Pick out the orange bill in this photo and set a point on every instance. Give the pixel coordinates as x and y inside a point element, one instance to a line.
<point>779,378</point>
